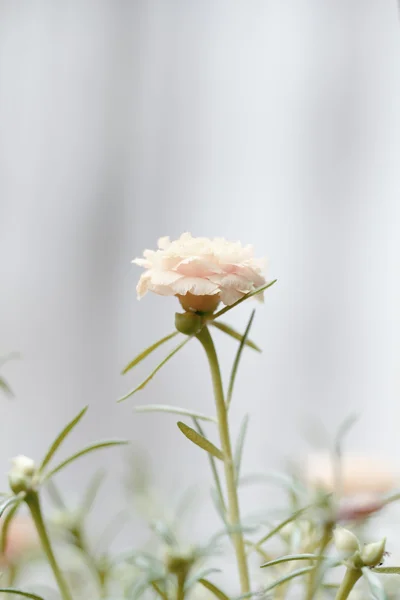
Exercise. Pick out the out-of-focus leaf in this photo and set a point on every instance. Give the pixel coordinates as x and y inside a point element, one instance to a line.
<point>288,577</point>
<point>200,440</point>
<point>6,525</point>
<point>148,351</point>
<point>20,593</point>
<point>9,502</point>
<point>239,445</point>
<point>276,529</point>
<point>5,387</point>
<point>235,334</point>
<point>87,450</point>
<point>246,297</point>
<point>290,557</point>
<point>237,360</point>
<point>387,570</point>
<point>213,589</point>
<point>92,491</point>
<point>201,575</point>
<point>164,532</point>
<point>174,410</point>
<point>55,495</point>
<point>60,438</point>
<point>158,367</point>
<point>374,584</point>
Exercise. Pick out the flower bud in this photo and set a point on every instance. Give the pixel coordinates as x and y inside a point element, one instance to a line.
<point>345,541</point>
<point>22,475</point>
<point>179,562</point>
<point>372,554</point>
<point>188,323</point>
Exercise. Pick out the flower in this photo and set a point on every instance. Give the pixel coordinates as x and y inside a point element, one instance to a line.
<point>21,538</point>
<point>360,475</point>
<point>201,272</point>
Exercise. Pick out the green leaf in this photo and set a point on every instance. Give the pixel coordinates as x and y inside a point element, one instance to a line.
<point>158,367</point>
<point>235,334</point>
<point>7,503</point>
<point>164,532</point>
<point>6,525</point>
<point>200,440</point>
<point>174,410</point>
<point>237,360</point>
<point>92,491</point>
<point>60,438</point>
<point>374,584</point>
<point>5,387</point>
<point>387,570</point>
<point>148,351</point>
<point>91,448</point>
<point>276,529</point>
<point>249,295</point>
<point>290,557</point>
<point>159,591</point>
<point>20,593</point>
<point>213,589</point>
<point>201,575</point>
<point>219,495</point>
<point>55,495</point>
<point>288,577</point>
<point>239,445</point>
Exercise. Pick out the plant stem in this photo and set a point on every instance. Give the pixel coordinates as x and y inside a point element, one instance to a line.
<point>350,579</point>
<point>230,475</point>
<point>325,540</point>
<point>180,589</point>
<point>32,500</point>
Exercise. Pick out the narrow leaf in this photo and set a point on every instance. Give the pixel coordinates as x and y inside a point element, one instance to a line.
<point>237,360</point>
<point>239,445</point>
<point>219,495</point>
<point>148,351</point>
<point>5,387</point>
<point>92,448</point>
<point>213,589</point>
<point>7,503</point>
<point>162,363</point>
<point>55,495</point>
<point>60,438</point>
<point>159,591</point>
<point>174,410</point>
<point>235,334</point>
<point>387,570</point>
<point>20,593</point>
<point>200,575</point>
<point>374,584</point>
<point>6,525</point>
<point>290,557</point>
<point>92,491</point>
<point>288,577</point>
<point>200,440</point>
<point>276,529</point>
<point>249,295</point>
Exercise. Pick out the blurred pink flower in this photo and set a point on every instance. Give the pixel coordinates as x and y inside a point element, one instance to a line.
<point>364,481</point>
<point>200,271</point>
<point>21,538</point>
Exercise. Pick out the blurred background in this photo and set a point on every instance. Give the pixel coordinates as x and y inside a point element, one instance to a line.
<point>276,123</point>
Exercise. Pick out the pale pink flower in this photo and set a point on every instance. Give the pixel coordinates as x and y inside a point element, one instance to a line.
<point>21,539</point>
<point>364,482</point>
<point>200,271</point>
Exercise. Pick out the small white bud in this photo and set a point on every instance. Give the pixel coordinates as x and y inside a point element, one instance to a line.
<point>345,541</point>
<point>22,474</point>
<point>372,554</point>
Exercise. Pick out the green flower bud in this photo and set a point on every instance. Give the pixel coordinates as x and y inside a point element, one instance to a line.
<point>188,323</point>
<point>345,541</point>
<point>179,562</point>
<point>372,554</point>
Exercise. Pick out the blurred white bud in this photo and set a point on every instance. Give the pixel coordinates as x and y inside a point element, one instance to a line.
<point>372,554</point>
<point>345,541</point>
<point>22,474</point>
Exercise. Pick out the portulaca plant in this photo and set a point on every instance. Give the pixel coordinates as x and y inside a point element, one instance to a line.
<point>316,546</point>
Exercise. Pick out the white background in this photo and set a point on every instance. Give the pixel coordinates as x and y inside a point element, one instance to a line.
<point>276,123</point>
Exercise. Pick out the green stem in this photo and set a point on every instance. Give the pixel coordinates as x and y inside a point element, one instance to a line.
<point>230,476</point>
<point>180,589</point>
<point>325,540</point>
<point>32,500</point>
<point>350,579</point>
